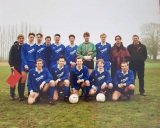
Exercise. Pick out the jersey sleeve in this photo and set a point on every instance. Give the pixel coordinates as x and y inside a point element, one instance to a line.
<point>65,76</point>
<point>108,76</point>
<point>79,51</point>
<point>131,78</point>
<point>94,51</point>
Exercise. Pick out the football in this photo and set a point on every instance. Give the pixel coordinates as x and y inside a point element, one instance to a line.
<point>100,97</point>
<point>73,98</point>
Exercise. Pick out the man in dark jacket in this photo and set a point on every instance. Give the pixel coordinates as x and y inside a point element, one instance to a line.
<point>119,54</point>
<point>138,53</point>
<point>15,63</point>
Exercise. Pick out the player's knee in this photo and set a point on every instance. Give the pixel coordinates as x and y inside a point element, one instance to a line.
<point>92,92</point>
<point>131,87</point>
<point>87,83</point>
<point>52,83</point>
<point>110,86</point>
<point>114,98</point>
<point>30,101</point>
<point>66,82</point>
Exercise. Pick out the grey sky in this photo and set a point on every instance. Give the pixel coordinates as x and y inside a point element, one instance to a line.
<point>122,17</point>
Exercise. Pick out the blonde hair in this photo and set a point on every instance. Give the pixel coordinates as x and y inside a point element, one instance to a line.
<point>103,34</point>
<point>20,35</point>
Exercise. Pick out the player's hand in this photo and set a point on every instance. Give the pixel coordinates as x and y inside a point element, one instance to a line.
<point>12,68</point>
<point>26,67</point>
<point>73,64</point>
<point>57,81</point>
<point>32,95</point>
<point>120,85</point>
<point>79,81</point>
<point>41,86</point>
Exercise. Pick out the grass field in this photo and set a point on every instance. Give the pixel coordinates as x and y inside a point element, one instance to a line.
<point>139,112</point>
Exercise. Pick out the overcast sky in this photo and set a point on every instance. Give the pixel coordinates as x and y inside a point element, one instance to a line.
<point>113,17</point>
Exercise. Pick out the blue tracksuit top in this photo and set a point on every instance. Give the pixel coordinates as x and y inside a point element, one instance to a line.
<point>98,78</point>
<point>103,51</point>
<point>61,74</point>
<point>28,53</point>
<point>127,78</point>
<point>70,54</point>
<point>78,74</point>
<point>40,51</point>
<point>35,79</point>
<point>57,51</point>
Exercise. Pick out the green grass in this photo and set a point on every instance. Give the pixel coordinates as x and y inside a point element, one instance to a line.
<point>139,112</point>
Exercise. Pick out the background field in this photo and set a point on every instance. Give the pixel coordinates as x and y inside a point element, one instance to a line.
<point>139,112</point>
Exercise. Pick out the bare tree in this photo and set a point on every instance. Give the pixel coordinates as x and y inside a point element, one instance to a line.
<point>151,37</point>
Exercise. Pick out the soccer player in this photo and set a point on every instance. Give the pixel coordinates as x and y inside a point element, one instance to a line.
<point>48,50</point>
<point>100,79</point>
<point>79,78</point>
<point>57,49</point>
<point>87,49</point>
<point>40,49</point>
<point>119,53</point>
<point>103,51</point>
<point>39,80</point>
<point>59,73</point>
<point>70,52</point>
<point>123,82</point>
<point>28,55</point>
<point>15,63</point>
<point>138,53</point>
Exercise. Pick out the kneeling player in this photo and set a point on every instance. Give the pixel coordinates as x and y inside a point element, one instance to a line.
<point>59,73</point>
<point>100,80</point>
<point>39,80</point>
<point>79,78</point>
<point>123,82</point>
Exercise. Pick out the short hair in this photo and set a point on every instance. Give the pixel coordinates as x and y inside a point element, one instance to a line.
<point>71,36</point>
<point>61,57</point>
<point>31,33</point>
<point>47,37</point>
<point>124,62</point>
<point>39,34</point>
<point>135,36</point>
<point>103,34</point>
<point>118,36</point>
<point>78,57</point>
<point>86,34</point>
<point>100,60</point>
<point>57,35</point>
<point>19,36</point>
<point>38,60</point>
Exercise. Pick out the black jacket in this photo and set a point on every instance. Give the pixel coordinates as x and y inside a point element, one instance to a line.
<point>15,56</point>
<point>137,55</point>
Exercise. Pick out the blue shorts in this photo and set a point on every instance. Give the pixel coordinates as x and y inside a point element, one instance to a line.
<point>30,65</point>
<point>121,90</point>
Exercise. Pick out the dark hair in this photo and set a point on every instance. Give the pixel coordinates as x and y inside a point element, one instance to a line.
<point>47,37</point>
<point>31,33</point>
<point>124,62</point>
<point>71,36</point>
<point>39,34</point>
<point>135,36</point>
<point>86,34</point>
<point>61,57</point>
<point>78,57</point>
<point>118,36</point>
<point>57,35</point>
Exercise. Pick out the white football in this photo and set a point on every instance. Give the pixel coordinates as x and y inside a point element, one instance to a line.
<point>73,98</point>
<point>100,97</point>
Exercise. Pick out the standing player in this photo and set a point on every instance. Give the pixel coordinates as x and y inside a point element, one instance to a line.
<point>79,78</point>
<point>70,52</point>
<point>123,82</point>
<point>103,51</point>
<point>138,53</point>
<point>57,49</point>
<point>28,55</point>
<point>39,80</point>
<point>118,54</point>
<point>40,49</point>
<point>59,73</point>
<point>15,63</point>
<point>48,50</point>
<point>87,49</point>
<point>100,79</point>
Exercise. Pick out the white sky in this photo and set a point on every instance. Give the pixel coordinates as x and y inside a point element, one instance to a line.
<point>113,17</point>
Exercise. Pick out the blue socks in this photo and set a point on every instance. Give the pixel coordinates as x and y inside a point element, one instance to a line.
<point>87,90</point>
<point>51,91</point>
<point>66,91</point>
